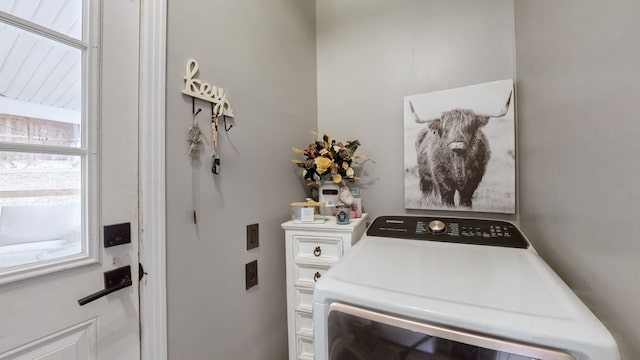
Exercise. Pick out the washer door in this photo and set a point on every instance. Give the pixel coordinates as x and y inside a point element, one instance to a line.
<point>356,333</point>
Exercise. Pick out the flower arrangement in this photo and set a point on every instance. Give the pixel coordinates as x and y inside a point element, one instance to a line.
<point>328,160</point>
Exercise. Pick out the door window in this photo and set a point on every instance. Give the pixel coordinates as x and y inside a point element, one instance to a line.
<point>48,122</point>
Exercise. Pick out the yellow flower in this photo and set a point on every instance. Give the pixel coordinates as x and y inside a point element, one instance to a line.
<point>350,172</point>
<point>328,159</point>
<point>323,164</point>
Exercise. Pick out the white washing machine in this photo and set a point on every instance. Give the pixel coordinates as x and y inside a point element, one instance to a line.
<point>417,288</point>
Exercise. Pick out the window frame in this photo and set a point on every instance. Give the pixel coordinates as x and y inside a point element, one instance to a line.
<point>89,148</point>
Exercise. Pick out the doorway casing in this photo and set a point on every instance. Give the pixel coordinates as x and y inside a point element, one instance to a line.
<point>153,289</point>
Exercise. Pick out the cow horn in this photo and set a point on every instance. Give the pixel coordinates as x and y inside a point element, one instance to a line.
<point>502,112</point>
<point>415,115</point>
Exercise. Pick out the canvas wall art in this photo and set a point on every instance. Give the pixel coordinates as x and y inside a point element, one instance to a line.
<point>459,149</point>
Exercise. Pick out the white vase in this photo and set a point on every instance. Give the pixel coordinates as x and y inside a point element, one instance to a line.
<point>328,193</point>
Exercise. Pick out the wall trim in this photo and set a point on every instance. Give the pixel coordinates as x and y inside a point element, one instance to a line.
<point>152,249</point>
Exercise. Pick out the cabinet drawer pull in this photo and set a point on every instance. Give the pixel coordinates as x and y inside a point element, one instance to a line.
<point>317,251</point>
<point>316,276</point>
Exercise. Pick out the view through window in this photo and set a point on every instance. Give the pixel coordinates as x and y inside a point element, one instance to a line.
<point>44,158</point>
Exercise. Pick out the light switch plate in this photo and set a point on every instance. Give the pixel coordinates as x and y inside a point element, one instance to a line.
<point>253,236</point>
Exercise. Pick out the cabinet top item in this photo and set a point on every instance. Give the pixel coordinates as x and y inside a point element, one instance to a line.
<point>329,223</point>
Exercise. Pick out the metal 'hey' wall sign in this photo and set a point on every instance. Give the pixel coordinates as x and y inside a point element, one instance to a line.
<point>205,91</point>
<point>220,108</point>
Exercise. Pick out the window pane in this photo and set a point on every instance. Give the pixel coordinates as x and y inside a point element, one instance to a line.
<point>40,207</point>
<point>40,89</point>
<point>63,16</point>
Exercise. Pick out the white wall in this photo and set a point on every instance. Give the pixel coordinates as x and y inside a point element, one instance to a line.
<point>372,53</point>
<point>578,86</point>
<point>263,54</point>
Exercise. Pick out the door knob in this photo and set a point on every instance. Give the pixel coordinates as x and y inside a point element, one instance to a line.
<point>114,280</point>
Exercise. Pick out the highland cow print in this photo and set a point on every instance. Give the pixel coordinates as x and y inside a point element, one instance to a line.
<point>453,153</point>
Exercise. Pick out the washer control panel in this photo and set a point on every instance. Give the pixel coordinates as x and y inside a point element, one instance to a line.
<point>446,229</point>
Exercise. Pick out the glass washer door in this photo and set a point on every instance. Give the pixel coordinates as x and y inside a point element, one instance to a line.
<point>359,334</point>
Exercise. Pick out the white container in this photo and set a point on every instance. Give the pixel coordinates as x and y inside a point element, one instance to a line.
<point>302,213</point>
<point>328,193</point>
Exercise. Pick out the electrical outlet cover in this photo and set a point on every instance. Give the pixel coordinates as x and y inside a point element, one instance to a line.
<point>251,274</point>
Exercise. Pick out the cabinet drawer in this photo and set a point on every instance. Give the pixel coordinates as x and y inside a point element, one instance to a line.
<point>307,275</point>
<point>304,323</point>
<point>314,248</point>
<point>304,299</point>
<point>305,347</point>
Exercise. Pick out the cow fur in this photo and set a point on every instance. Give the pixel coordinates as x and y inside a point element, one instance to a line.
<point>444,171</point>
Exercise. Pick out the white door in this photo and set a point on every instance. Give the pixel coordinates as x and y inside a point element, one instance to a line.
<point>63,176</point>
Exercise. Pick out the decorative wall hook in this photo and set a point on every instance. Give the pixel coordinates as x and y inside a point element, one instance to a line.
<point>220,107</point>
<point>224,118</point>
<point>193,107</point>
<point>205,91</point>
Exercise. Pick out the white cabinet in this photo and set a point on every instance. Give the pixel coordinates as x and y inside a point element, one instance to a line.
<point>311,249</point>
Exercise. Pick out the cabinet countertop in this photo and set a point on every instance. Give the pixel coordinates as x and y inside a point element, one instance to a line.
<point>328,223</point>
